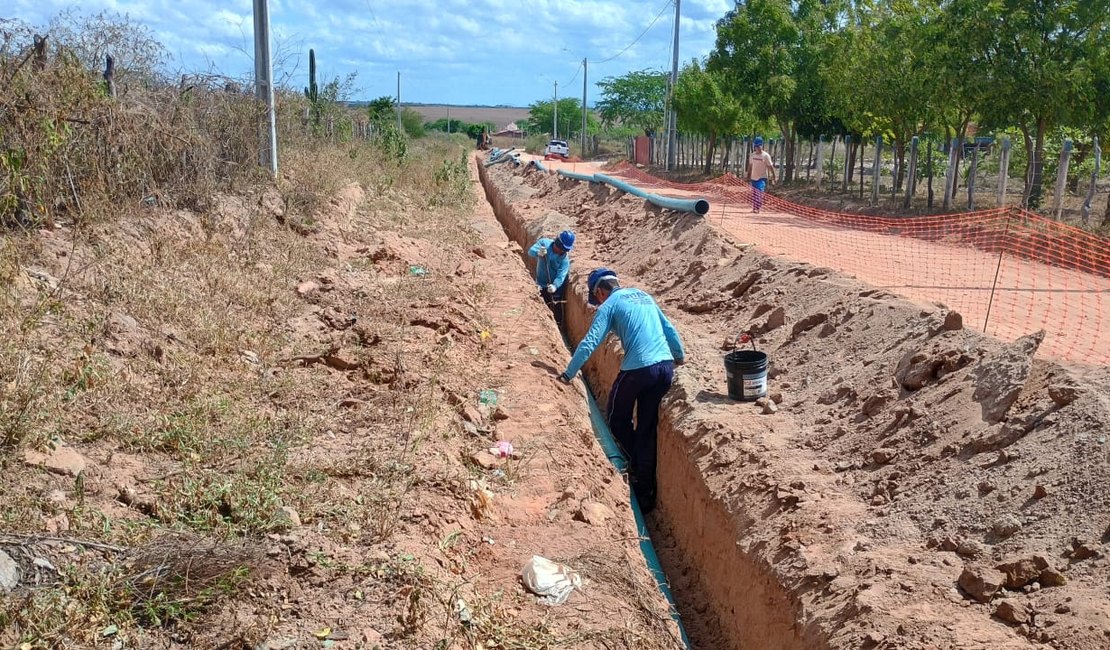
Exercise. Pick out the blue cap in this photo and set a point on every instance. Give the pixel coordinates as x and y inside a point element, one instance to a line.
<point>758,142</point>
<point>596,276</point>
<point>566,239</point>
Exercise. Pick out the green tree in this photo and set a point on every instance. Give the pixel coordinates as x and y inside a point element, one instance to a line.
<point>636,99</point>
<point>381,110</point>
<point>770,51</point>
<point>1035,66</point>
<point>413,122</point>
<point>541,118</point>
<point>703,106</point>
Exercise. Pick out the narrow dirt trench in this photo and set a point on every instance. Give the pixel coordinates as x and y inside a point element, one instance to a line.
<point>689,532</point>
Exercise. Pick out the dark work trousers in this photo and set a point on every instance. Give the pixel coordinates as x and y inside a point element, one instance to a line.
<point>642,389</point>
<point>555,302</point>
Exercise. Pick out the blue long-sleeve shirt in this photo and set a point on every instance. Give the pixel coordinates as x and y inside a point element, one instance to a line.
<point>551,269</point>
<point>645,333</point>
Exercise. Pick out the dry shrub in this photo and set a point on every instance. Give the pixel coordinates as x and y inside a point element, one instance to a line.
<point>67,148</point>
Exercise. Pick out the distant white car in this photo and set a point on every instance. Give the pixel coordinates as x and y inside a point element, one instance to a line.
<point>557,147</point>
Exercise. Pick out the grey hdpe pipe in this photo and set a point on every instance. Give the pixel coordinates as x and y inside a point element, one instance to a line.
<point>613,452</point>
<point>539,165</point>
<point>697,206</point>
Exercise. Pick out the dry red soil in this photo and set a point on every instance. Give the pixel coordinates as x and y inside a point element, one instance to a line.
<point>917,484</point>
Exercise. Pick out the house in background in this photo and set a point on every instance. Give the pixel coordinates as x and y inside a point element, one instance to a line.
<point>511,130</point>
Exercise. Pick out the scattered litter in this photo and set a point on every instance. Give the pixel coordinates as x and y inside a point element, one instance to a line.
<point>489,540</point>
<point>417,271</point>
<point>551,581</point>
<point>503,449</point>
<point>485,335</point>
<point>534,351</point>
<point>463,612</point>
<point>497,473</point>
<point>488,397</point>
<point>111,630</point>
<point>322,633</point>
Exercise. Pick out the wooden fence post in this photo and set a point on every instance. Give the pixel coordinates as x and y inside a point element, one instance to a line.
<point>875,171</point>
<point>1003,172</point>
<point>1062,178</point>
<point>971,177</point>
<point>1094,180</point>
<point>951,173</point>
<point>820,160</point>
<point>110,75</point>
<point>847,158</point>
<point>929,171</point>
<point>911,182</point>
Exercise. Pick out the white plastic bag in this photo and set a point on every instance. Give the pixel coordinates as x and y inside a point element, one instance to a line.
<point>551,581</point>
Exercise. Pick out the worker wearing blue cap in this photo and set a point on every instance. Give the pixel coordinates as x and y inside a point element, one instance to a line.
<point>552,266</point>
<point>759,166</point>
<point>652,348</point>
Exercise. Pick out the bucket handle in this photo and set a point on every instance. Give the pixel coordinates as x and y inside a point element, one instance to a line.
<point>744,337</point>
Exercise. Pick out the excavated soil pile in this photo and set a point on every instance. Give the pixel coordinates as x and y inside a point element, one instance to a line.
<point>909,483</point>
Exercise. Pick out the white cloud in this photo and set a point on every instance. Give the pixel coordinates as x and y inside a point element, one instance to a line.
<point>461,51</point>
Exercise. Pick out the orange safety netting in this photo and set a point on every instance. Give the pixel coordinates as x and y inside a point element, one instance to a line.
<point>1008,271</point>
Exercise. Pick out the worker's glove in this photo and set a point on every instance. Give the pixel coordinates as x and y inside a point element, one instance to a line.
<point>551,288</point>
<point>563,379</point>
<point>542,252</point>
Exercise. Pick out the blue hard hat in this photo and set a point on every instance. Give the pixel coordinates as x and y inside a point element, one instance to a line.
<point>566,239</point>
<point>758,142</point>
<point>597,275</point>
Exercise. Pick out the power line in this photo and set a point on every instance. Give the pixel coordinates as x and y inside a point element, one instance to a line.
<point>655,20</point>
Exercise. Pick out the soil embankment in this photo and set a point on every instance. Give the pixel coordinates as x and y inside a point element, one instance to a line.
<point>913,484</point>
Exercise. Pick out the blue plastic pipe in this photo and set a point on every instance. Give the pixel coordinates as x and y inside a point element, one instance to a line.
<point>696,206</point>
<point>539,165</point>
<point>589,178</point>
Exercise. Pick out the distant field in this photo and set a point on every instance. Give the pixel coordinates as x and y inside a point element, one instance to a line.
<point>500,115</point>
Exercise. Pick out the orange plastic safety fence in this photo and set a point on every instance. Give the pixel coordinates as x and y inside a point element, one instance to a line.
<point>1008,271</point>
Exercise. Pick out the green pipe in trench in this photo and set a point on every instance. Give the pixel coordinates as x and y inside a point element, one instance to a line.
<point>617,458</point>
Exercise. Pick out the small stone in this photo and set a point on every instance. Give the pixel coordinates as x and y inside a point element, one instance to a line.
<point>63,460</point>
<point>969,548</point>
<point>286,518</point>
<point>307,288</point>
<point>277,644</point>
<point>593,513</point>
<point>1022,571</point>
<point>770,408</point>
<point>1086,551</point>
<point>9,573</point>
<point>1062,609</point>
<point>775,320</point>
<point>953,321</point>
<point>1006,526</point>
<point>1052,578</point>
<point>486,460</point>
<point>1011,612</point>
<point>1039,492</point>
<point>883,456</point>
<point>1063,394</point>
<point>986,487</point>
<point>981,583</point>
<point>776,397</point>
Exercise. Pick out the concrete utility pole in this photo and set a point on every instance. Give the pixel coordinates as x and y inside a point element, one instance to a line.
<point>672,119</point>
<point>584,74</point>
<point>555,115</point>
<point>399,127</point>
<point>264,86</point>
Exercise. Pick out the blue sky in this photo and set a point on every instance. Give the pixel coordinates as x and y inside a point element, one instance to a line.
<point>448,51</point>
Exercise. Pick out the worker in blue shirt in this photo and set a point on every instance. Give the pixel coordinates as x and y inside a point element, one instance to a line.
<point>552,266</point>
<point>652,349</point>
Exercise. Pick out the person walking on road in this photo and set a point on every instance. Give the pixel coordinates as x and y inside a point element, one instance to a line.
<point>652,348</point>
<point>760,165</point>
<point>552,265</point>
